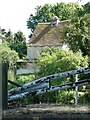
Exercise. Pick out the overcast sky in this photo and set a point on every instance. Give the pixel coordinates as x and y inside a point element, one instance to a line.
<point>15,13</point>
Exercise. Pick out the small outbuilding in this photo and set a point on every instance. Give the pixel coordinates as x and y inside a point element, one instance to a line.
<point>46,34</point>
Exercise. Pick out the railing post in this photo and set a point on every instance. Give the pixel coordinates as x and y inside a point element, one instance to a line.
<point>76,90</point>
<point>3,86</point>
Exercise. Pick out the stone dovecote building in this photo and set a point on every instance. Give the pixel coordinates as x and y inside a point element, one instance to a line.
<point>45,34</point>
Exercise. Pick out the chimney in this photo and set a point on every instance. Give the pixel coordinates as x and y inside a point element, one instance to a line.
<point>55,21</point>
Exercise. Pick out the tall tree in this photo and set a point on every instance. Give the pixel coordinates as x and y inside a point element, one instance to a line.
<point>19,44</point>
<point>16,41</point>
<point>19,37</point>
<point>6,36</point>
<point>43,14</point>
<point>87,7</point>
<point>46,12</point>
<point>77,34</point>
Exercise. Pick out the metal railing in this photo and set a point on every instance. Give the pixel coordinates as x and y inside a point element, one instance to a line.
<point>39,86</point>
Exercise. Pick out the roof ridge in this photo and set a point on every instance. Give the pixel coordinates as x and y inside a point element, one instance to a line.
<point>47,23</point>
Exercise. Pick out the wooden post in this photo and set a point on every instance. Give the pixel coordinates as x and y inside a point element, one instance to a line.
<point>0,91</point>
<point>76,89</point>
<point>3,86</point>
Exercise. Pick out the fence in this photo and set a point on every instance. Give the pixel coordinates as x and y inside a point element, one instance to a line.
<point>39,86</point>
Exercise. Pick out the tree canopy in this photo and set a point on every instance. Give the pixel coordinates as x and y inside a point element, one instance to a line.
<point>16,41</point>
<point>6,54</point>
<point>77,34</point>
<point>54,60</point>
<point>87,7</point>
<point>19,44</point>
<point>46,12</point>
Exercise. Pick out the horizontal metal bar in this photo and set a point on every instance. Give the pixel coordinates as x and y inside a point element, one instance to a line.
<point>41,86</point>
<point>26,88</point>
<point>52,88</point>
<point>46,79</point>
<point>14,83</point>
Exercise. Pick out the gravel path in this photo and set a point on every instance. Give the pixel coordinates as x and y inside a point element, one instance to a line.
<point>48,112</point>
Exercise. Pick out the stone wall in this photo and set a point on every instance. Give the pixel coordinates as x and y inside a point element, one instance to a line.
<point>33,52</point>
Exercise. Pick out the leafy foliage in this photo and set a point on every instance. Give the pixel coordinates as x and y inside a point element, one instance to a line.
<point>46,12</point>
<point>65,97</point>
<point>16,41</point>
<point>22,79</point>
<point>87,7</point>
<point>54,60</point>
<point>6,54</point>
<point>19,44</point>
<point>77,34</point>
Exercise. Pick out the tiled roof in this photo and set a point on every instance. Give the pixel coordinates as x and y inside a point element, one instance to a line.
<point>47,34</point>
